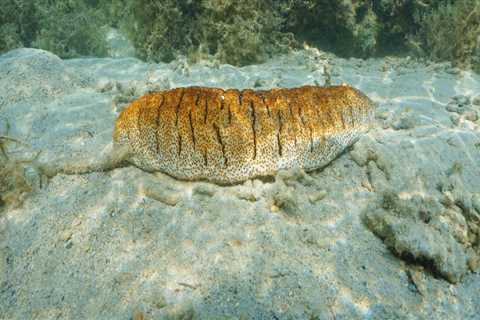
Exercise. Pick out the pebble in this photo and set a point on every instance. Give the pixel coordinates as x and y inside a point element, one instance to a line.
<point>383,115</point>
<point>317,196</point>
<point>455,118</point>
<point>461,100</point>
<point>452,107</point>
<point>476,202</point>
<point>138,315</point>
<point>476,101</point>
<point>205,189</point>
<point>452,70</point>
<point>4,127</point>
<point>405,122</point>
<point>168,197</point>
<point>245,194</point>
<point>104,86</point>
<point>66,235</point>
<point>471,115</point>
<point>473,261</point>
<point>76,222</point>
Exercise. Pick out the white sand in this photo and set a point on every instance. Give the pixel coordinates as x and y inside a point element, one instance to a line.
<point>105,246</point>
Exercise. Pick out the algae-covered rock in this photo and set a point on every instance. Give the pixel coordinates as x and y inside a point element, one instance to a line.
<point>409,228</point>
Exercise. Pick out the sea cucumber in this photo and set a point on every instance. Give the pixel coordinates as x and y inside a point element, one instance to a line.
<point>228,136</point>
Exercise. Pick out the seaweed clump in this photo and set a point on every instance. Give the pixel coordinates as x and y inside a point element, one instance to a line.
<point>14,186</point>
<point>450,32</point>
<point>235,32</point>
<point>67,28</point>
<point>349,28</point>
<point>249,31</point>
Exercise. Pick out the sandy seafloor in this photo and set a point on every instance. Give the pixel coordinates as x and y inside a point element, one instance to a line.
<point>126,244</point>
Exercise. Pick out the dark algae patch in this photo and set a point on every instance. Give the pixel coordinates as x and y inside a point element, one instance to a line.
<point>14,186</point>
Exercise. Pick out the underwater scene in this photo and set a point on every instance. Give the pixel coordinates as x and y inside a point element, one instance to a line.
<point>250,159</point>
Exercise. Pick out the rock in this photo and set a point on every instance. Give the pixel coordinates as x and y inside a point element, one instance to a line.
<point>476,202</point>
<point>452,107</point>
<point>284,198</point>
<point>66,235</point>
<point>476,101</point>
<point>4,127</point>
<point>160,193</point>
<point>138,315</point>
<point>405,227</point>
<point>455,118</point>
<point>362,153</point>
<point>38,74</point>
<point>473,260</point>
<point>317,196</point>
<point>204,189</point>
<point>383,115</point>
<point>405,122</point>
<point>471,115</point>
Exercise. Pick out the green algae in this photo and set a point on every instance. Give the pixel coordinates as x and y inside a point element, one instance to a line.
<point>247,32</point>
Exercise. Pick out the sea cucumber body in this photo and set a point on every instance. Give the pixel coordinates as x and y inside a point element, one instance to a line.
<point>228,136</point>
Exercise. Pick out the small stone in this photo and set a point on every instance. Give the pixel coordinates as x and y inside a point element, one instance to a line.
<point>417,277</point>
<point>476,101</point>
<point>406,121</point>
<point>168,197</point>
<point>366,184</point>
<point>259,83</point>
<point>383,115</point>
<point>274,208</point>
<point>317,196</point>
<point>66,235</point>
<point>76,222</point>
<point>452,70</point>
<point>471,115</point>
<point>473,260</point>
<point>452,107</point>
<point>285,199</point>
<point>247,195</point>
<point>119,86</point>
<point>361,155</point>
<point>4,127</point>
<point>104,86</point>
<point>476,202</point>
<point>257,184</point>
<point>138,315</point>
<point>455,118</point>
<point>461,100</point>
<point>235,243</point>
<point>456,224</point>
<point>119,102</point>
<point>205,189</point>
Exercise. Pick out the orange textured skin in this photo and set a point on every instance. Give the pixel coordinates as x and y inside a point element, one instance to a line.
<point>228,136</point>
